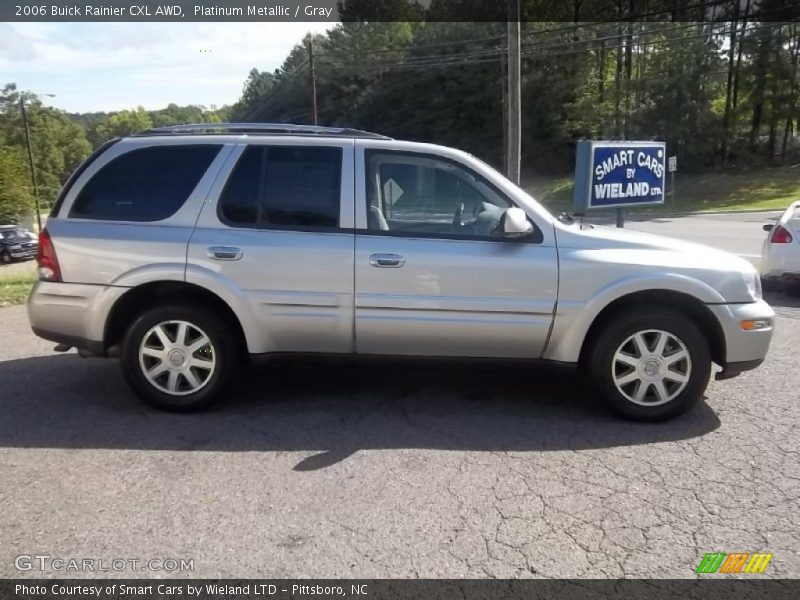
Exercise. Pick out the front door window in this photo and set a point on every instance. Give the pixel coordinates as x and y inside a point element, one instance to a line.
<point>422,196</point>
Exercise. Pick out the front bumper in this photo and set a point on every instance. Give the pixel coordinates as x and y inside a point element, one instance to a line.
<point>744,349</point>
<point>731,370</point>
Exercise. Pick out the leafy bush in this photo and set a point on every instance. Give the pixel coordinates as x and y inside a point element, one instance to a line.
<point>16,201</point>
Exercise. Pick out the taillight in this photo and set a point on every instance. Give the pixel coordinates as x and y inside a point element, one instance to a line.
<point>780,235</point>
<point>46,258</point>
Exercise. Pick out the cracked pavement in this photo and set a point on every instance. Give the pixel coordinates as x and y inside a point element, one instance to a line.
<point>312,471</point>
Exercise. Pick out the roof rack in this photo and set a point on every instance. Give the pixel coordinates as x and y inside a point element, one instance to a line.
<point>260,129</point>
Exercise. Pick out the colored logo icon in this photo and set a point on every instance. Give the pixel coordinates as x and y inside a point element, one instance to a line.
<point>737,562</point>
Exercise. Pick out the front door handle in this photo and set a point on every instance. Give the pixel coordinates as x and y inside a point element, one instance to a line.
<point>224,253</point>
<point>387,260</point>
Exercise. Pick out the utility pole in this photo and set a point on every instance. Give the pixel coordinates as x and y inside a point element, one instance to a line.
<point>30,158</point>
<point>310,48</point>
<point>504,101</point>
<point>514,138</point>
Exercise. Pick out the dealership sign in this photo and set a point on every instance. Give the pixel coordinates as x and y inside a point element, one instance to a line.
<point>619,174</point>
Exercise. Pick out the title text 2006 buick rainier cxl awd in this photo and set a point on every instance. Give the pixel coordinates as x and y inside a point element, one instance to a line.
<point>184,249</point>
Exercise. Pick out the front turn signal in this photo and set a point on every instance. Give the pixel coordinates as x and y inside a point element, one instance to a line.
<point>756,324</point>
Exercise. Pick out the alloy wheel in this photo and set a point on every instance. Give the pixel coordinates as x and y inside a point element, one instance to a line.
<point>651,367</point>
<point>177,357</point>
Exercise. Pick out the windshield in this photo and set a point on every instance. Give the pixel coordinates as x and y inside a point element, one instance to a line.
<point>15,235</point>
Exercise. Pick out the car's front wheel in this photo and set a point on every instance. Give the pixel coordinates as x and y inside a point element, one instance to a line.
<point>652,364</point>
<point>178,357</point>
<point>5,257</point>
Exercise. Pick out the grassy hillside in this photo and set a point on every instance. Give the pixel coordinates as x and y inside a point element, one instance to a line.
<point>762,189</point>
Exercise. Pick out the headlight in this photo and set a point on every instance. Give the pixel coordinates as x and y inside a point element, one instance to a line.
<point>753,283</point>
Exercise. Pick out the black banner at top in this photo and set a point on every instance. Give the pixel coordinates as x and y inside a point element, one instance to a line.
<point>399,589</point>
<point>396,10</point>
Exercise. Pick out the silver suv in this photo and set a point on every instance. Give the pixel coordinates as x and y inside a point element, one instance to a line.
<point>183,250</point>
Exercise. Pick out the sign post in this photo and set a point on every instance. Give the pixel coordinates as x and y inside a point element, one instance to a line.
<point>618,175</point>
<point>672,166</point>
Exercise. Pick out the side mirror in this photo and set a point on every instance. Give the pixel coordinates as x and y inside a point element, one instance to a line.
<point>768,227</point>
<point>515,223</point>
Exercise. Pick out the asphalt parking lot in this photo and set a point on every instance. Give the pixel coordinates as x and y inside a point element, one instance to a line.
<point>312,471</point>
<point>741,233</point>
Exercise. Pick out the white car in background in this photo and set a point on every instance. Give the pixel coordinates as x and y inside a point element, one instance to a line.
<point>780,257</point>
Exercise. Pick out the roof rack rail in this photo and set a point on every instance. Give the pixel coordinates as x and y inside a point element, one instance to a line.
<point>260,129</point>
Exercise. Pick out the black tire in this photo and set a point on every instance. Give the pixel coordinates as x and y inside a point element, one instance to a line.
<point>223,350</point>
<point>647,318</point>
<point>6,258</point>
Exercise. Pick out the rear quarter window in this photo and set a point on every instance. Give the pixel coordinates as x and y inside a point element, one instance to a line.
<point>146,184</point>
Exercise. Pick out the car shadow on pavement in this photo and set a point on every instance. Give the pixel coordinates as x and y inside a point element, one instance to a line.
<point>64,401</point>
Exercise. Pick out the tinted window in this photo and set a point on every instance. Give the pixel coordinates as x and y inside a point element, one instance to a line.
<point>283,186</point>
<point>15,234</point>
<point>77,173</point>
<point>148,184</point>
<point>239,202</point>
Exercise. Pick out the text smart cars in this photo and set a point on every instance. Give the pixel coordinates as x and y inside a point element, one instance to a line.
<point>182,250</point>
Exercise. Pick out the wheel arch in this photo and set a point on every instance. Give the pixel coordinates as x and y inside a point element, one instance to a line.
<point>686,304</point>
<point>132,302</point>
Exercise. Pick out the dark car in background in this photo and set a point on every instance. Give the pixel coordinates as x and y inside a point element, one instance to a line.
<point>16,243</point>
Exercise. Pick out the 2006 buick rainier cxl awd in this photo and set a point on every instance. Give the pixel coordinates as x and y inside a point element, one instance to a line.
<point>182,250</point>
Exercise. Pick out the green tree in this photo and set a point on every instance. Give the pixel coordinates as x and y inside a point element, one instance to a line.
<point>180,115</point>
<point>16,200</point>
<point>256,88</point>
<point>124,123</point>
<point>58,144</point>
<point>685,76</point>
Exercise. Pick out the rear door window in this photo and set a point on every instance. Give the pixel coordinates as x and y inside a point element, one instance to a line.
<point>284,187</point>
<point>147,184</point>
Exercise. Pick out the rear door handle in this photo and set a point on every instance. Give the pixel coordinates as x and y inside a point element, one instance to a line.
<point>387,260</point>
<point>224,253</point>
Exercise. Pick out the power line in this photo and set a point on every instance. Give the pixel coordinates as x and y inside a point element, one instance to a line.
<point>403,83</point>
<point>435,114</point>
<point>463,57</point>
<point>272,99</point>
<point>562,29</point>
<point>420,46</point>
<point>532,50</point>
<point>436,63</point>
<point>439,58</point>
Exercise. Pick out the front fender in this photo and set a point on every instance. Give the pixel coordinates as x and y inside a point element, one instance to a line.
<point>574,316</point>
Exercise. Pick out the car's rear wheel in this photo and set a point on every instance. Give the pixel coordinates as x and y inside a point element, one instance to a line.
<point>178,357</point>
<point>651,365</point>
